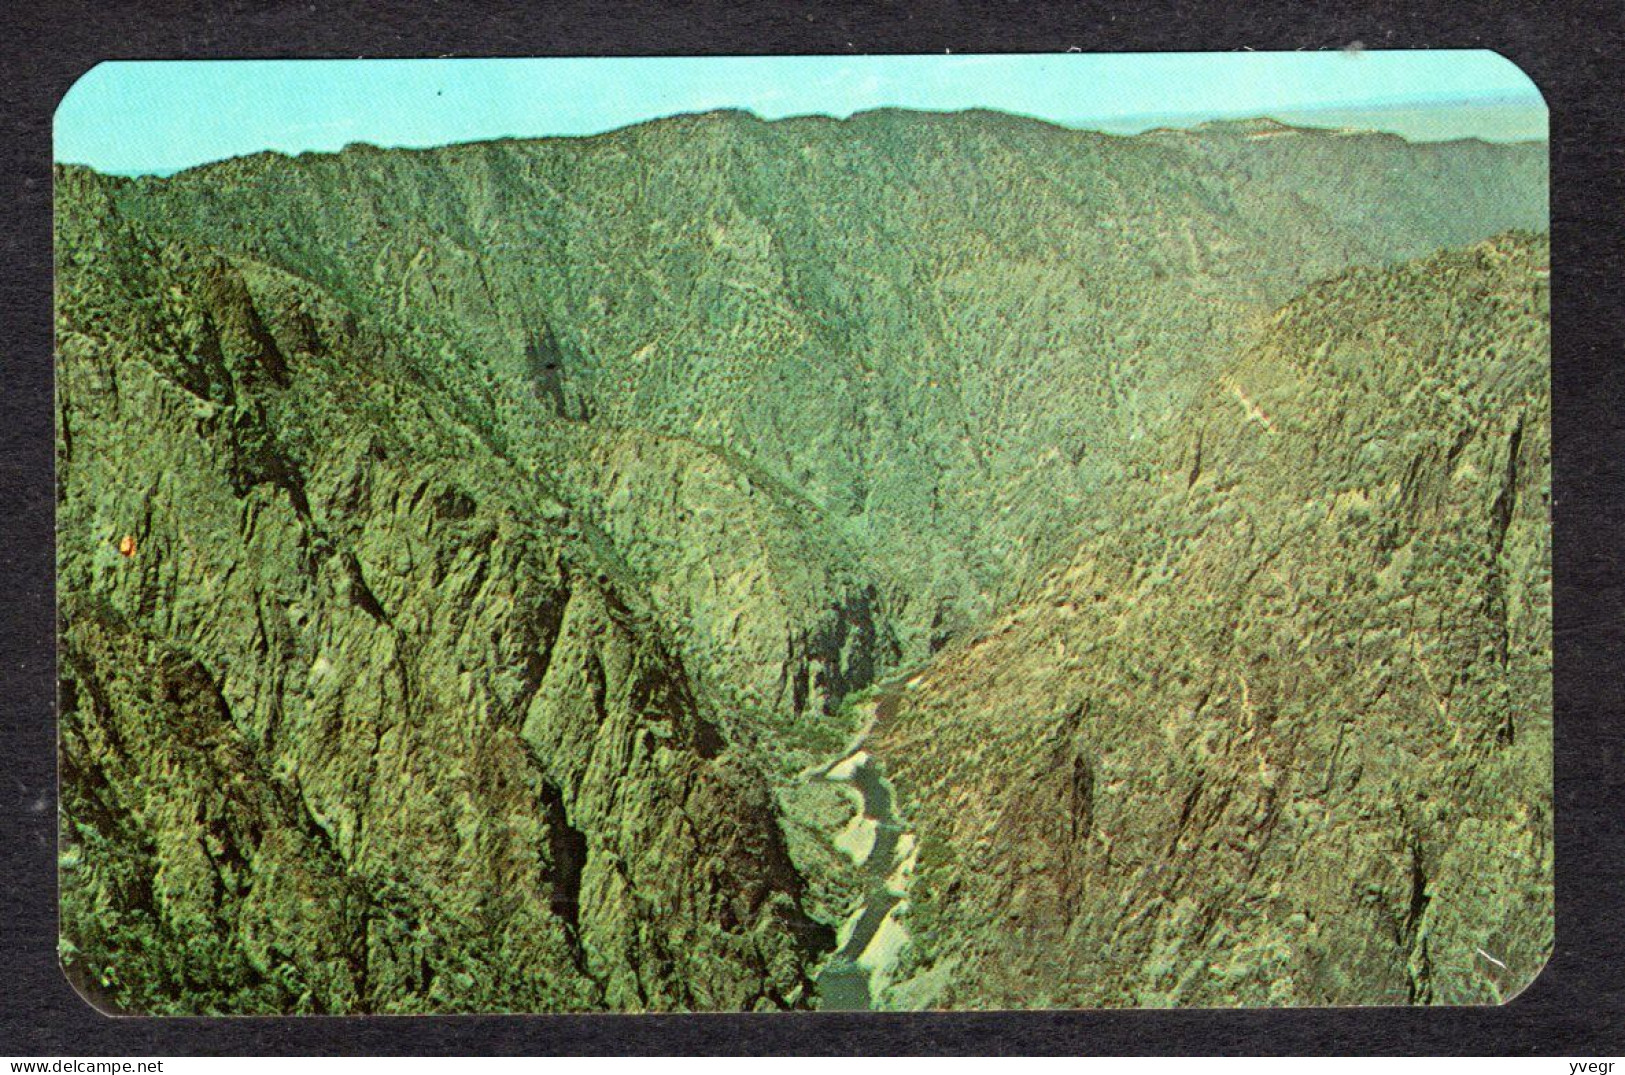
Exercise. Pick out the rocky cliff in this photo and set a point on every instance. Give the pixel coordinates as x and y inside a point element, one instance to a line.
<point>355,716</point>
<point>466,554</point>
<point>1282,733</point>
<point>944,331</point>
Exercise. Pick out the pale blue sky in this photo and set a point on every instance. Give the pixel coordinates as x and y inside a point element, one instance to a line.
<point>162,116</point>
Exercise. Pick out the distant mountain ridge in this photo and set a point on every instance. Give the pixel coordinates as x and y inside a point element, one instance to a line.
<point>693,272</point>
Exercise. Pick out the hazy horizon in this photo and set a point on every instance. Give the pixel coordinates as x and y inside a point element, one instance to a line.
<point>162,117</point>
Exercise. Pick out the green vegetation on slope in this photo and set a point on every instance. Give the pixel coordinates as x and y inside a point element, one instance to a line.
<point>364,723</point>
<point>944,331</point>
<point>511,520</point>
<point>1283,734</point>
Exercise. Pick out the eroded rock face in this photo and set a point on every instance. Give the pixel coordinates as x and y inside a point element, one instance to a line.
<point>945,332</point>
<point>463,551</point>
<point>1283,736</point>
<point>357,727</point>
<point>770,604</point>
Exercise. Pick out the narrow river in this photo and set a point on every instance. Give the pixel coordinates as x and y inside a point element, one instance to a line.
<point>845,984</point>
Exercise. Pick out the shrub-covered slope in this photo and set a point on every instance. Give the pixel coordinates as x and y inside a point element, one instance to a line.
<point>364,721</point>
<point>1281,732</point>
<point>942,330</point>
<point>509,524</point>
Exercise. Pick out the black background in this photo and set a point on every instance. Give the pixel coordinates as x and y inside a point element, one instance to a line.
<point>1572,51</point>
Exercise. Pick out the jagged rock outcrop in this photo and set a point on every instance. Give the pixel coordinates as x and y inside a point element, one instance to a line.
<point>360,724</point>
<point>764,596</point>
<point>1283,734</point>
<point>466,552</point>
<point>945,331</point>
